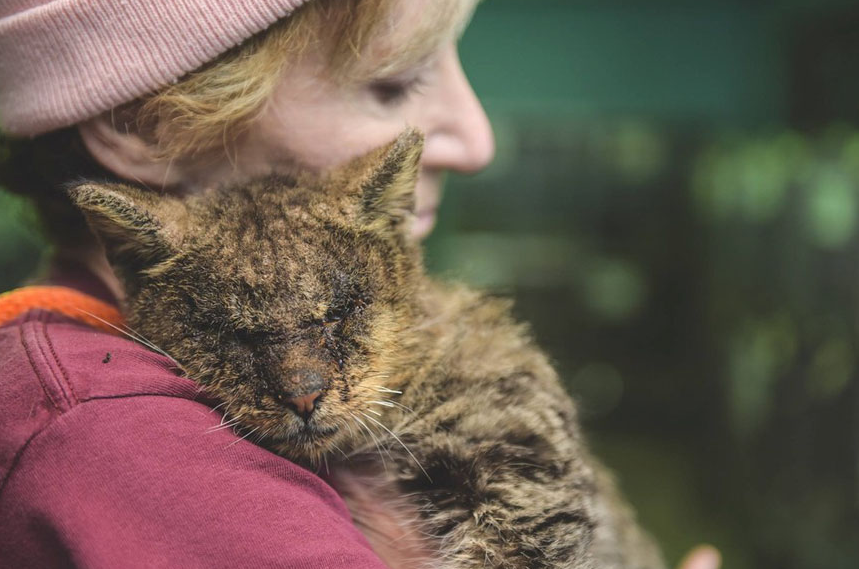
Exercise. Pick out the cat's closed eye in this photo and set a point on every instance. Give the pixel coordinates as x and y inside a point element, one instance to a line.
<point>342,309</point>
<point>258,337</point>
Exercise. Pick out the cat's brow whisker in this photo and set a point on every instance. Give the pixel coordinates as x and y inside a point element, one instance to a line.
<point>134,336</point>
<point>128,333</point>
<point>146,341</point>
<point>401,443</point>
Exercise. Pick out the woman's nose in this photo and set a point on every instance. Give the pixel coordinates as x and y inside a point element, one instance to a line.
<point>459,135</point>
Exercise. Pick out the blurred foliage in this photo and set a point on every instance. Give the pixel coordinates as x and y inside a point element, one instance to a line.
<point>701,302</point>
<point>21,245</point>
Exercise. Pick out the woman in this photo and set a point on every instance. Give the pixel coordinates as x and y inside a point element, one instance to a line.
<point>104,460</point>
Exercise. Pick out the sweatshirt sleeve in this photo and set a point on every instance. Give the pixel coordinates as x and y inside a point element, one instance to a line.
<point>146,481</point>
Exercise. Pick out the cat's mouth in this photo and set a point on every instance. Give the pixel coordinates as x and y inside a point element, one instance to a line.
<point>306,443</point>
<point>309,433</point>
<point>315,431</point>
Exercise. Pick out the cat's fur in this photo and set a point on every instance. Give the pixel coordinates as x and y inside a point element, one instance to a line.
<point>282,287</point>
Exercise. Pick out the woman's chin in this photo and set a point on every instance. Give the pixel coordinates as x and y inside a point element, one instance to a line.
<point>423,224</point>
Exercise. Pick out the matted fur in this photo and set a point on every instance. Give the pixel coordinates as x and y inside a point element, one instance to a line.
<point>431,392</point>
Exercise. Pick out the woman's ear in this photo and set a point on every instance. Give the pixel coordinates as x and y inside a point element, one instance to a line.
<point>127,154</point>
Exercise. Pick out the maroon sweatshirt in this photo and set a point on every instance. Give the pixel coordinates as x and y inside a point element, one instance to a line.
<point>115,461</point>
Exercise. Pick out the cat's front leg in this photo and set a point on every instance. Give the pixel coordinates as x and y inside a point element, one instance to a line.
<point>492,505</point>
<point>503,481</point>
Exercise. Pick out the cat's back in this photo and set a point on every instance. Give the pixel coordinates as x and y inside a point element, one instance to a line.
<point>480,336</point>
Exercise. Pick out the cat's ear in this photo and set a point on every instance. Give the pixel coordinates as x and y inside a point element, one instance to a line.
<point>388,190</point>
<point>128,223</point>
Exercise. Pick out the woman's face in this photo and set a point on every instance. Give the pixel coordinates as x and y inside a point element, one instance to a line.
<point>319,123</point>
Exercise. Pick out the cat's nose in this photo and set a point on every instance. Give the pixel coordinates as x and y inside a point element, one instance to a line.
<point>304,405</point>
<point>303,388</point>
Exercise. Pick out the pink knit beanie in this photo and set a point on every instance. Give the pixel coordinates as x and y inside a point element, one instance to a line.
<point>63,61</point>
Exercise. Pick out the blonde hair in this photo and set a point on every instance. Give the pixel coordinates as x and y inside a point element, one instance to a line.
<point>210,106</point>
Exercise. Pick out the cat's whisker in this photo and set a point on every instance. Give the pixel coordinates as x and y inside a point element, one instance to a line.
<point>225,418</point>
<point>388,403</point>
<point>243,438</point>
<point>216,407</point>
<point>351,432</point>
<point>340,450</point>
<point>427,323</point>
<point>376,413</point>
<point>384,446</point>
<point>134,336</point>
<point>222,427</point>
<point>406,448</point>
<point>262,434</point>
<point>387,390</point>
<point>376,375</point>
<point>225,423</point>
<point>374,439</point>
<point>147,342</point>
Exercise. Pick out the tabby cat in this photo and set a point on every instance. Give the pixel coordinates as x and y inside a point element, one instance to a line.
<point>303,306</point>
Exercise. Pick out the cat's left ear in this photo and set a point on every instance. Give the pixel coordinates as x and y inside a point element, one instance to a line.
<point>388,192</point>
<point>136,227</point>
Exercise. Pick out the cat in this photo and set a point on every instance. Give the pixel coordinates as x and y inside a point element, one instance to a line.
<point>302,304</point>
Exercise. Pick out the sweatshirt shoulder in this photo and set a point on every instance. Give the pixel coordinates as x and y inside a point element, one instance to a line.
<point>50,364</point>
<point>123,447</point>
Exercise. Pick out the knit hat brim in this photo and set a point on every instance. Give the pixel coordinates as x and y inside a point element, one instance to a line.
<point>64,61</point>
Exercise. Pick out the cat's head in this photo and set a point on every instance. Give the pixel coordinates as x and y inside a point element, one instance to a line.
<point>291,300</point>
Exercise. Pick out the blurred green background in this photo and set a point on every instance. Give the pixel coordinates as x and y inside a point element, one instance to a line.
<point>674,208</point>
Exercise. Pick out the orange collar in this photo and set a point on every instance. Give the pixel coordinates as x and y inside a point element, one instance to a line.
<point>66,301</point>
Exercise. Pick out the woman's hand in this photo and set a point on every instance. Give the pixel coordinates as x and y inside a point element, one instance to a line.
<point>702,557</point>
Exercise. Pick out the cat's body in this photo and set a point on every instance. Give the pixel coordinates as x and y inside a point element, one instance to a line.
<point>305,309</point>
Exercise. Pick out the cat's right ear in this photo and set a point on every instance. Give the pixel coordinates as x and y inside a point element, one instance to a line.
<point>388,189</point>
<point>126,221</point>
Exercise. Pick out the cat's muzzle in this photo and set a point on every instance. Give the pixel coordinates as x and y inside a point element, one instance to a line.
<point>304,392</point>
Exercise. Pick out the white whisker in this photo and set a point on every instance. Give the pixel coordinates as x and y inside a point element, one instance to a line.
<point>243,438</point>
<point>374,439</point>
<point>223,426</point>
<point>136,336</point>
<point>393,404</point>
<point>402,444</point>
<point>340,450</point>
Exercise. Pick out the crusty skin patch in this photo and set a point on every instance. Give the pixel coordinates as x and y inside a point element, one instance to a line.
<point>286,286</point>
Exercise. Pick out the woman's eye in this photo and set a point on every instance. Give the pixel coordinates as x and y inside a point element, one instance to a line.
<point>395,91</point>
